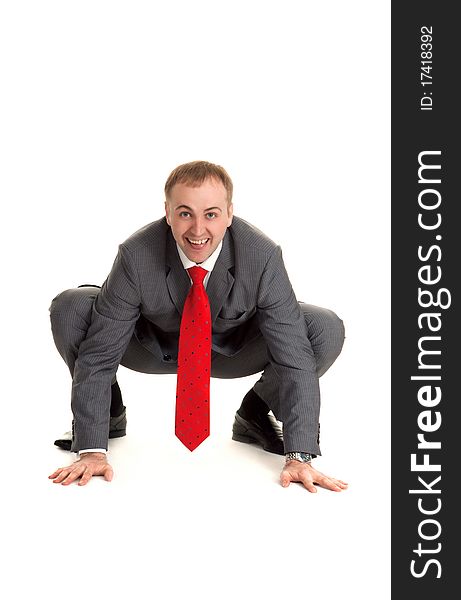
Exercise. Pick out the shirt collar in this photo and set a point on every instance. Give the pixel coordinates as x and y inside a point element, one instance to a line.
<point>207,264</point>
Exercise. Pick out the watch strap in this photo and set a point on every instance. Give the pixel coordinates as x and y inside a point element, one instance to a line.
<point>304,457</point>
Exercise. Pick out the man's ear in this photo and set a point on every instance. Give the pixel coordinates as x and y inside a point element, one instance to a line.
<point>167,213</point>
<point>230,214</point>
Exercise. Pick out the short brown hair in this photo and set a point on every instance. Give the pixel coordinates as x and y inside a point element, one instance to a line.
<point>195,173</point>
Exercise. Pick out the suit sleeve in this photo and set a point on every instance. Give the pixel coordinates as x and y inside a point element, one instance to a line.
<point>115,312</point>
<point>284,329</point>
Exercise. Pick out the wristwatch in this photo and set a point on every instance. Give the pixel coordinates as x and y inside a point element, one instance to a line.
<point>303,457</point>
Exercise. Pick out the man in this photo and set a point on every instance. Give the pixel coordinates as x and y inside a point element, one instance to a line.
<point>256,325</point>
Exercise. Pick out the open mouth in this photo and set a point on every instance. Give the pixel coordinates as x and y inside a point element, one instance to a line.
<point>198,244</point>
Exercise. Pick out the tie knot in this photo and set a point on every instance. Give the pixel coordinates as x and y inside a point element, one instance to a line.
<point>197,274</point>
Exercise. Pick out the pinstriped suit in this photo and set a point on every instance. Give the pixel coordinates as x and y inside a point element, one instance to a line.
<point>257,324</point>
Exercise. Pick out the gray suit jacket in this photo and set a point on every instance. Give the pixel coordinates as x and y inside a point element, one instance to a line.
<point>249,292</point>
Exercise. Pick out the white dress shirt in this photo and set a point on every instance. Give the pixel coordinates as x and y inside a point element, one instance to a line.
<point>208,265</point>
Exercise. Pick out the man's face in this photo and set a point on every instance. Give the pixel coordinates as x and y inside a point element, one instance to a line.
<point>198,217</point>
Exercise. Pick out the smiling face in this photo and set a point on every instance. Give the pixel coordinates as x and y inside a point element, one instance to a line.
<point>198,217</point>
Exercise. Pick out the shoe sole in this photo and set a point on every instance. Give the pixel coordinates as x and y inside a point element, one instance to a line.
<point>117,434</point>
<point>246,439</point>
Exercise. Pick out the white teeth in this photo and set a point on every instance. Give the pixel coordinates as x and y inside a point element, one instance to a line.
<point>198,242</point>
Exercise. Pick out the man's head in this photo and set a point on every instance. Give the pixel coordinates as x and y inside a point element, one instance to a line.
<point>198,206</point>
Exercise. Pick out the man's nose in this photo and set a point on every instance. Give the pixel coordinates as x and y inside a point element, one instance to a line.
<point>198,226</point>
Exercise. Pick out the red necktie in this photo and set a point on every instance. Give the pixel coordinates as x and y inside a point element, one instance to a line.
<point>194,364</point>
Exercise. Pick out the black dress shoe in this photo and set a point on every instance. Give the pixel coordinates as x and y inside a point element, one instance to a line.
<point>117,428</point>
<point>262,430</point>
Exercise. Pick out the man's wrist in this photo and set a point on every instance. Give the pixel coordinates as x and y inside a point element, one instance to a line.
<point>93,450</point>
<point>92,454</point>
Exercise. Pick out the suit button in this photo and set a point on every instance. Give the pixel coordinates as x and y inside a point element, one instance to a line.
<point>167,357</point>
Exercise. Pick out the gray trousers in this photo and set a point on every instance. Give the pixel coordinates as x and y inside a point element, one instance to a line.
<point>70,314</point>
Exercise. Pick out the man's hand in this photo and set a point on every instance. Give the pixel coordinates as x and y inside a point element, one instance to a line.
<point>308,476</point>
<point>89,464</point>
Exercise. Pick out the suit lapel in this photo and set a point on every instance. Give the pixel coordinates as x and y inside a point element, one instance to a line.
<point>221,279</point>
<point>177,280</point>
<point>220,282</point>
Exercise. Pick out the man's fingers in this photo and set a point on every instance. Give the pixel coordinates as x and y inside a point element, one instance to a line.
<point>67,472</point>
<point>108,473</point>
<point>338,482</point>
<point>308,484</point>
<point>73,475</point>
<point>55,474</point>
<point>285,479</point>
<point>342,484</point>
<point>329,484</point>
<point>61,474</point>
<point>85,477</point>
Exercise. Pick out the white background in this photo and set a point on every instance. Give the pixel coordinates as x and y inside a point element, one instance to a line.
<point>100,100</point>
